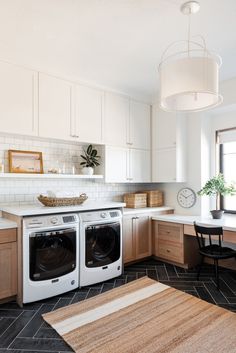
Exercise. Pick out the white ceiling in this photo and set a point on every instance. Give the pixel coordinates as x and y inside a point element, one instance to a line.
<point>113,43</point>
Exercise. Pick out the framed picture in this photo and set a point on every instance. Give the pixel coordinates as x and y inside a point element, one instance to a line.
<point>25,162</point>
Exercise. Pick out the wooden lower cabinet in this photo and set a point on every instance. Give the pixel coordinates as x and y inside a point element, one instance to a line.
<point>8,263</point>
<point>137,241</point>
<point>128,239</point>
<point>171,244</point>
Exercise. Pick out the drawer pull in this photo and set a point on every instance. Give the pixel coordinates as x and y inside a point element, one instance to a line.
<point>167,250</point>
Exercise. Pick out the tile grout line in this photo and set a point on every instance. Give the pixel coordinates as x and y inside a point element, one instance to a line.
<point>12,323</point>
<point>43,321</point>
<point>24,326</point>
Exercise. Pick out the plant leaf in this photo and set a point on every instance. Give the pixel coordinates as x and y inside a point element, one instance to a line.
<point>89,149</point>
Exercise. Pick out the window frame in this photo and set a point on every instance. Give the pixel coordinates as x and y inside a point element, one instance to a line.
<point>221,170</point>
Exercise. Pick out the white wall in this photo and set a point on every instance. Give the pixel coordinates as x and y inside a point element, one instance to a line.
<point>194,127</point>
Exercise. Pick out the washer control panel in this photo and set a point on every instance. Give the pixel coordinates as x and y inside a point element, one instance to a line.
<point>49,221</point>
<point>54,220</point>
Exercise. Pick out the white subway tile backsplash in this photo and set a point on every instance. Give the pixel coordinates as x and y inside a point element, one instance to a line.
<point>55,155</point>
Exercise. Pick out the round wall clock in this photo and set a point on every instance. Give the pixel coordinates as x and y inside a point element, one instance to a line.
<point>186,197</point>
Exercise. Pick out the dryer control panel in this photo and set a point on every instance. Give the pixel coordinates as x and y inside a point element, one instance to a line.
<point>103,215</point>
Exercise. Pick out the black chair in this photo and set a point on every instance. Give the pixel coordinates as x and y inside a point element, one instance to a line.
<point>214,250</point>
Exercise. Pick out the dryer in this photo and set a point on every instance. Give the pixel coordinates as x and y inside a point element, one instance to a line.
<point>100,246</point>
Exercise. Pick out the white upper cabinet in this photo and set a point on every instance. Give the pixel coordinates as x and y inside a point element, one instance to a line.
<point>18,102</point>
<point>164,166</point>
<point>88,113</point>
<point>116,119</point>
<point>139,125</point>
<point>116,164</point>
<point>127,122</point>
<point>168,166</point>
<point>163,129</point>
<point>140,166</point>
<point>56,108</point>
<point>168,147</point>
<point>125,165</point>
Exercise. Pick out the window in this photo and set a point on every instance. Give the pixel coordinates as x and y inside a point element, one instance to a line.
<point>227,150</point>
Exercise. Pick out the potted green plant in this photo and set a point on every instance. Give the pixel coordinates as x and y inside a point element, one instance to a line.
<point>90,160</point>
<point>217,187</point>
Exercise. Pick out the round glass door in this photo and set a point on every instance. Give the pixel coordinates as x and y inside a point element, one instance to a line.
<point>102,244</point>
<point>52,254</point>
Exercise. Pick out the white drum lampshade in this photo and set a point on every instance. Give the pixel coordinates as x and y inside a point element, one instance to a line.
<point>189,77</point>
<point>189,84</point>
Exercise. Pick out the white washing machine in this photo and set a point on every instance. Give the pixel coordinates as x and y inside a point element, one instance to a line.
<point>50,256</point>
<point>100,246</point>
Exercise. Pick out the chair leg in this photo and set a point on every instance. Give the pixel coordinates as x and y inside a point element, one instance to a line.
<point>217,273</point>
<point>199,268</point>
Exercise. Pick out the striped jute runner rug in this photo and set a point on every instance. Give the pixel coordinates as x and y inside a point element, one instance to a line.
<point>145,316</point>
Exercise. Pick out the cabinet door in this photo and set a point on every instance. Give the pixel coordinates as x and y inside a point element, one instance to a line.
<point>8,270</point>
<point>18,103</point>
<point>140,166</point>
<point>88,114</point>
<point>163,129</point>
<point>55,108</point>
<point>164,165</point>
<point>143,237</point>
<point>139,127</point>
<point>116,164</point>
<point>116,118</point>
<point>129,239</point>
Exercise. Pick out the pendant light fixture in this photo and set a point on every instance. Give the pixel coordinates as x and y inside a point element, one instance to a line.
<point>189,77</point>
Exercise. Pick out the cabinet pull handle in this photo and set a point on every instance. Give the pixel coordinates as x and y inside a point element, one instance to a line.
<point>167,250</point>
<point>75,136</point>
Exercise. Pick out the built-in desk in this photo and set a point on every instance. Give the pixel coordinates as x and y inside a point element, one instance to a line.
<point>184,250</point>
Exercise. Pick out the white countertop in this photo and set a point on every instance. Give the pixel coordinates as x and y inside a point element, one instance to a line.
<point>127,211</point>
<point>6,224</point>
<point>228,222</point>
<point>37,209</point>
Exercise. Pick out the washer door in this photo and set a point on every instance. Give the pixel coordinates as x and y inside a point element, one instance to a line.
<point>52,254</point>
<point>102,244</point>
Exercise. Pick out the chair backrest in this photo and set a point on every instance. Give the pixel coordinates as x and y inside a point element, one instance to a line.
<point>209,233</point>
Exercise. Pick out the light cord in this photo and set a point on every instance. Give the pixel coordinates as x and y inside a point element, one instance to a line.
<point>189,33</point>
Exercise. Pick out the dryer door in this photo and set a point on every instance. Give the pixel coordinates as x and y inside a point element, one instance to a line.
<point>102,244</point>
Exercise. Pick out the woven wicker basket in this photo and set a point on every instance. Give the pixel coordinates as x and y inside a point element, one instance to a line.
<point>137,200</point>
<point>154,198</point>
<point>62,201</point>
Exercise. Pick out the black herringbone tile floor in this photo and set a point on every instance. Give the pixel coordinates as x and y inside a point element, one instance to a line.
<point>24,331</point>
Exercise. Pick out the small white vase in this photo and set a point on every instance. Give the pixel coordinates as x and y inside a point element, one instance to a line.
<point>87,171</point>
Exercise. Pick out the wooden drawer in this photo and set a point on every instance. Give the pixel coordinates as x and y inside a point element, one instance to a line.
<point>169,251</point>
<point>7,235</point>
<point>189,230</point>
<point>172,232</point>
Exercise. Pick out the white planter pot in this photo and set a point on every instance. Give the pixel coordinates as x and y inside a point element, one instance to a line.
<point>87,171</point>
